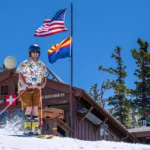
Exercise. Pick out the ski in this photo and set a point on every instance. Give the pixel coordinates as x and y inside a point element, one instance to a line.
<point>41,136</point>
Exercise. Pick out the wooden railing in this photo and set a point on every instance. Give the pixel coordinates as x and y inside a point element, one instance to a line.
<point>54,117</point>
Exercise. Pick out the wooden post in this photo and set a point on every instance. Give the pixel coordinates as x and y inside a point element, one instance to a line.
<point>99,126</point>
<point>86,113</point>
<point>54,128</point>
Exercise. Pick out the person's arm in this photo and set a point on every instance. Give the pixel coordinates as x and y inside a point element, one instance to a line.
<point>44,76</point>
<point>44,80</point>
<point>43,83</point>
<point>19,71</point>
<point>24,81</point>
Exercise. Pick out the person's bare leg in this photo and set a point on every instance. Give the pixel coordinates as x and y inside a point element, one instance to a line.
<point>28,111</point>
<point>35,111</point>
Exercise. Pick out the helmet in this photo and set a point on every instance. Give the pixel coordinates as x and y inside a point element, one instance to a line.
<point>34,48</point>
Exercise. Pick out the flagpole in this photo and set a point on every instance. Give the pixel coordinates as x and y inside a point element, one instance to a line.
<point>71,43</point>
<point>71,62</point>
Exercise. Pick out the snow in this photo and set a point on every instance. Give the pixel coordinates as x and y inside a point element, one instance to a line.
<point>15,127</point>
<point>9,142</point>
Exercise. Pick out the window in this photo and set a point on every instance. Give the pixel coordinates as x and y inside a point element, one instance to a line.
<point>102,134</point>
<point>4,90</point>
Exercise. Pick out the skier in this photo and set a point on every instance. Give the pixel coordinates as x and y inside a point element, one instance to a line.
<point>32,78</point>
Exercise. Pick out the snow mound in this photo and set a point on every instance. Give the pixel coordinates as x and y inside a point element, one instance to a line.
<point>13,125</point>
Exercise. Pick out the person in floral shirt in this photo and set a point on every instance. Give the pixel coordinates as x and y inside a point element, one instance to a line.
<point>32,78</point>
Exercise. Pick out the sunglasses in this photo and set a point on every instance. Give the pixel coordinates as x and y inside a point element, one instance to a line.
<point>35,51</point>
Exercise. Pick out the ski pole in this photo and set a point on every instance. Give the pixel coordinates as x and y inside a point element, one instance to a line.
<point>41,121</point>
<point>12,102</point>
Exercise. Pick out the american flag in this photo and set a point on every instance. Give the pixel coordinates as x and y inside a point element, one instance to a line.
<point>52,26</point>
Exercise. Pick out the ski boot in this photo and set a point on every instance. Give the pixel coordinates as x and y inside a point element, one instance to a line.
<point>27,125</point>
<point>36,126</point>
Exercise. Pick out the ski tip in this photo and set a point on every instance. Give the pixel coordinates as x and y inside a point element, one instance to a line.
<point>44,136</point>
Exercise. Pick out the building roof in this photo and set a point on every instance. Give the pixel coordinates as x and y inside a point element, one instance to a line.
<point>54,76</point>
<point>51,74</point>
<point>141,129</point>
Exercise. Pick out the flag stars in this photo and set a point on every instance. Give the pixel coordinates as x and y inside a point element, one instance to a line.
<point>53,26</point>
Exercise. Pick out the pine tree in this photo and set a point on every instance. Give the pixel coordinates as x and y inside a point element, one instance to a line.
<point>120,105</point>
<point>94,92</point>
<point>142,59</point>
<point>134,113</point>
<point>98,93</point>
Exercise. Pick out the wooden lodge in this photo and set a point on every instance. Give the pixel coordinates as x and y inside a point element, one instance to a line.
<point>67,114</point>
<point>142,133</point>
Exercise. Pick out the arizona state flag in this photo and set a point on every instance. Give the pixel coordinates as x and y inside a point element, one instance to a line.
<point>59,51</point>
<point>11,100</point>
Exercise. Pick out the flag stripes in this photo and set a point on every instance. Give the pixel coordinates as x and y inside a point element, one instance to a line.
<point>52,26</point>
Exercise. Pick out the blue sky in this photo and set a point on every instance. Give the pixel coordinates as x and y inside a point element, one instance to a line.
<point>98,26</point>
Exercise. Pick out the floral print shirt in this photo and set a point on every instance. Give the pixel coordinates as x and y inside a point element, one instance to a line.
<point>33,73</point>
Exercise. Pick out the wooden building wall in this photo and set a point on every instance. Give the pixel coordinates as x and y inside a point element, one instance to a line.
<point>86,130</point>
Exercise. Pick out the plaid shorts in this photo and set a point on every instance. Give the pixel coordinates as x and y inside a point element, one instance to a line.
<point>31,97</point>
